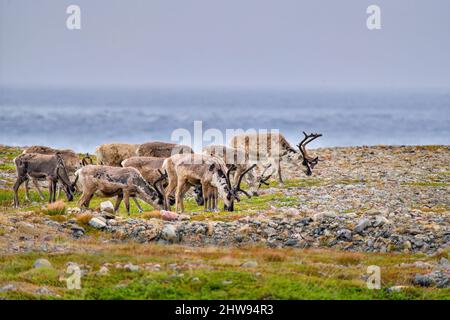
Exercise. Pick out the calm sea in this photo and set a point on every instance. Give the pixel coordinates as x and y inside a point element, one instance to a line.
<point>83,119</point>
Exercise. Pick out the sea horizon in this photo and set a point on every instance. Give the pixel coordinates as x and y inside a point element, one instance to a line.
<point>82,118</point>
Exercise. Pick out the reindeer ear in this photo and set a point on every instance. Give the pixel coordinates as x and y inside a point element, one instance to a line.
<point>212,166</point>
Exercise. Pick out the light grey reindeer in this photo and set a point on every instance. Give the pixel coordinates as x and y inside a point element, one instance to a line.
<point>273,147</point>
<point>42,166</point>
<point>123,183</point>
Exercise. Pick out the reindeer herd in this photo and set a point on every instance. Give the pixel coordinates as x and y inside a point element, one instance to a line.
<point>161,173</point>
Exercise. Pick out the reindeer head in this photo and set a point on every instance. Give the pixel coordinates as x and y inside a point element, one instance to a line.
<point>160,189</point>
<point>62,174</point>
<point>233,193</point>
<point>308,161</point>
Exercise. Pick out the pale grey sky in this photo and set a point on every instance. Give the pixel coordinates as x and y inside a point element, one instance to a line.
<point>225,43</point>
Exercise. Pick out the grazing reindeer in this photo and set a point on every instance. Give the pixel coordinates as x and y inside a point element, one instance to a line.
<point>231,157</point>
<point>185,171</point>
<point>71,161</point>
<point>112,154</point>
<point>150,169</point>
<point>240,160</point>
<point>107,181</point>
<point>273,147</point>
<point>42,166</point>
<point>161,149</point>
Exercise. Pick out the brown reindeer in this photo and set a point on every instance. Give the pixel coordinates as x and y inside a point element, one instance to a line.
<point>273,147</point>
<point>185,171</point>
<point>240,160</point>
<point>112,154</point>
<point>123,183</point>
<point>161,149</point>
<point>42,166</point>
<point>150,169</point>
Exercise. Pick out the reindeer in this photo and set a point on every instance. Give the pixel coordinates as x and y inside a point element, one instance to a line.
<point>161,149</point>
<point>112,154</point>
<point>273,147</point>
<point>42,166</point>
<point>108,181</point>
<point>71,161</point>
<point>150,169</point>
<point>185,171</point>
<point>240,160</point>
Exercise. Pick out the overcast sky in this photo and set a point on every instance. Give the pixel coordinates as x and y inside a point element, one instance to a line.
<point>225,43</point>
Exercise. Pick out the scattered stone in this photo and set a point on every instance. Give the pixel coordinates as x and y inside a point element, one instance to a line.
<point>42,263</point>
<point>169,215</point>
<point>77,231</point>
<point>398,288</point>
<point>436,278</point>
<point>249,264</point>
<point>291,243</point>
<point>103,271</point>
<point>97,223</point>
<point>443,264</point>
<point>131,267</point>
<point>362,225</point>
<point>380,221</point>
<point>169,233</point>
<point>7,288</point>
<point>44,291</point>
<point>107,206</point>
<point>344,234</point>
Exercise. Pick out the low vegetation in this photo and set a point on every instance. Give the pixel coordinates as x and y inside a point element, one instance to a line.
<point>214,273</point>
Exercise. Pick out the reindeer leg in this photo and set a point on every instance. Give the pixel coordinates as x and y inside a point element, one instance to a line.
<point>137,204</point>
<point>88,200</point>
<point>55,186</point>
<point>38,188</point>
<point>205,197</point>
<point>27,191</point>
<point>58,186</point>
<point>118,201</point>
<point>50,190</point>
<point>216,200</point>
<point>169,190</point>
<point>280,179</point>
<point>178,197</point>
<point>126,199</point>
<point>19,181</point>
<point>183,193</point>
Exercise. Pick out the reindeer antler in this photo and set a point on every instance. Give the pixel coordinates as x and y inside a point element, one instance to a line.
<point>237,188</point>
<point>87,160</point>
<point>162,177</point>
<point>263,180</point>
<point>305,141</point>
<point>232,167</point>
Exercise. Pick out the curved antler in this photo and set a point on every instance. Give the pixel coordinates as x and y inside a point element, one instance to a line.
<point>162,177</point>
<point>85,159</point>
<point>232,168</point>
<point>305,141</point>
<point>237,188</point>
<point>263,180</point>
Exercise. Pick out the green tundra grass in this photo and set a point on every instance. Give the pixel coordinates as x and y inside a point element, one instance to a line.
<point>215,273</point>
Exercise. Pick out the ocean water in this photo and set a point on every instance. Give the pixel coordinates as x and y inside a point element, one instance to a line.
<point>83,119</point>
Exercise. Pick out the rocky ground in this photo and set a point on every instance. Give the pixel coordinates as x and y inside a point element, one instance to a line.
<point>373,199</point>
<point>363,199</point>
